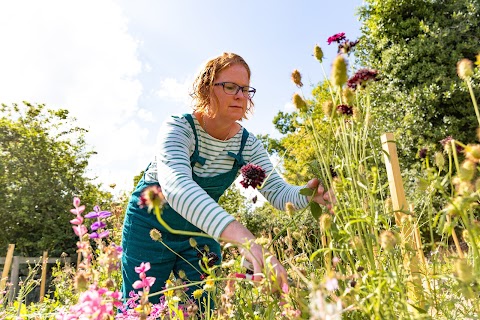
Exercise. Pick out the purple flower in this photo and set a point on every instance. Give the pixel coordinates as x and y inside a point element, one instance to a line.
<point>253,176</point>
<point>344,109</point>
<point>98,225</point>
<point>361,77</point>
<point>346,46</point>
<point>101,235</point>
<point>446,143</point>
<point>97,213</point>
<point>336,38</point>
<point>422,154</point>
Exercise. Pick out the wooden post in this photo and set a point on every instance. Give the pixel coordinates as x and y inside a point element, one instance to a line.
<point>14,277</point>
<point>44,275</point>
<point>411,260</point>
<point>6,267</point>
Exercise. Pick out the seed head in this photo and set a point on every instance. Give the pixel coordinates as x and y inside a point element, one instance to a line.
<point>388,240</point>
<point>464,271</point>
<point>299,103</point>
<point>439,160</point>
<point>465,69</point>
<point>253,176</point>
<point>193,242</point>
<point>318,53</point>
<point>478,60</point>
<point>156,235</point>
<point>325,221</point>
<point>297,78</point>
<point>339,71</point>
<point>327,108</point>
<point>348,96</point>
<point>290,208</point>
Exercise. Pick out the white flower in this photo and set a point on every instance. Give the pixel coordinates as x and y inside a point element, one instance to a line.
<point>322,310</point>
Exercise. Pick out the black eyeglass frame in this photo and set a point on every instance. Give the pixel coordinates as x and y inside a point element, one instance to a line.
<point>250,90</point>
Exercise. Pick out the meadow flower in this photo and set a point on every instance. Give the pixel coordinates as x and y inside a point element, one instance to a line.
<point>211,258</point>
<point>465,69</point>
<point>197,294</point>
<point>344,109</point>
<point>253,176</point>
<point>318,53</point>
<point>297,78</point>
<point>361,78</point>
<point>331,284</point>
<point>339,71</point>
<point>447,144</point>
<point>152,197</point>
<point>336,38</point>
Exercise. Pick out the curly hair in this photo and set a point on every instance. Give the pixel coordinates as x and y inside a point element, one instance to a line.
<point>203,84</point>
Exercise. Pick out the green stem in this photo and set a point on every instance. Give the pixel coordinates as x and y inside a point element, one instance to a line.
<point>474,100</point>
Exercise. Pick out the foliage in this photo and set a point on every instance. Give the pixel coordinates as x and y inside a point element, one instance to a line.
<point>43,161</point>
<point>415,45</point>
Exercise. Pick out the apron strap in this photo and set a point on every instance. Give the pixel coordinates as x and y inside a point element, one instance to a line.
<point>239,161</point>
<point>195,158</point>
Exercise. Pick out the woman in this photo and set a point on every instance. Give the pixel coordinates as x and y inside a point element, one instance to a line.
<point>198,158</point>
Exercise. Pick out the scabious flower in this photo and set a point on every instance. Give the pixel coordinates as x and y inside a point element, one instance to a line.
<point>361,78</point>
<point>210,257</point>
<point>297,78</point>
<point>422,153</point>
<point>344,109</point>
<point>152,197</point>
<point>346,46</point>
<point>447,144</point>
<point>253,176</point>
<point>336,38</point>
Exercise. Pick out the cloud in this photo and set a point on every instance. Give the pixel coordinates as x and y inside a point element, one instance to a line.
<point>77,56</point>
<point>173,90</point>
<point>289,107</point>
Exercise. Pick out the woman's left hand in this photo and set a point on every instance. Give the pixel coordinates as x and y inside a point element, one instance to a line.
<point>321,197</point>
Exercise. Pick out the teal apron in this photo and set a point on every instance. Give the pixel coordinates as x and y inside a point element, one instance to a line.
<point>138,247</point>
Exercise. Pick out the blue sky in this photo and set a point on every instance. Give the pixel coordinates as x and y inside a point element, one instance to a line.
<point>121,67</point>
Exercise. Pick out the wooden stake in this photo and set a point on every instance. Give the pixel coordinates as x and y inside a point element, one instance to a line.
<point>44,275</point>
<point>400,206</point>
<point>6,267</point>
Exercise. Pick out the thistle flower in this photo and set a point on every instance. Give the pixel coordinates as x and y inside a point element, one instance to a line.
<point>388,240</point>
<point>299,103</point>
<point>297,78</point>
<point>253,176</point>
<point>152,197</point>
<point>339,71</point>
<point>465,69</point>
<point>338,37</point>
<point>344,109</point>
<point>361,78</point>
<point>318,53</point>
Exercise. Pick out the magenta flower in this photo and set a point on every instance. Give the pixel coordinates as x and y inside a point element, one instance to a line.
<point>145,283</point>
<point>361,77</point>
<point>253,175</point>
<point>144,267</point>
<point>336,38</point>
<point>80,230</point>
<point>151,197</point>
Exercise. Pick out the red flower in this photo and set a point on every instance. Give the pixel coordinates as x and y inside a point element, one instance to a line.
<point>253,176</point>
<point>361,77</point>
<point>151,197</point>
<point>344,109</point>
<point>336,38</point>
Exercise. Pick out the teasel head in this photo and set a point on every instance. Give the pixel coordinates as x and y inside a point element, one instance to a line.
<point>348,96</point>
<point>318,53</point>
<point>339,71</point>
<point>388,240</point>
<point>465,69</point>
<point>299,103</point>
<point>297,78</point>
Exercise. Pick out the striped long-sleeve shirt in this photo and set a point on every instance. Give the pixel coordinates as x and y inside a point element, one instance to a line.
<point>176,143</point>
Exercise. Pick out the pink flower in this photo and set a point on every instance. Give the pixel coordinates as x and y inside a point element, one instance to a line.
<point>146,283</point>
<point>77,221</point>
<point>144,267</point>
<point>361,77</point>
<point>253,175</point>
<point>80,230</point>
<point>336,38</point>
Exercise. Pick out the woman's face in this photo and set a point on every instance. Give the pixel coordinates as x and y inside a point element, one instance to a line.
<point>230,107</point>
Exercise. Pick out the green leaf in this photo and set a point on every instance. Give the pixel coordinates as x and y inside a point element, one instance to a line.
<point>307,192</point>
<point>315,209</point>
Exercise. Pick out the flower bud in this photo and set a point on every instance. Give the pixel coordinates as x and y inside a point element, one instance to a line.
<point>297,78</point>
<point>465,69</point>
<point>193,242</point>
<point>299,103</point>
<point>439,160</point>
<point>325,221</point>
<point>339,71</point>
<point>318,53</point>
<point>388,240</point>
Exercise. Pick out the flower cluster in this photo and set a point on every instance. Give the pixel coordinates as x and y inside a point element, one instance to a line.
<point>98,226</point>
<point>344,45</point>
<point>253,176</point>
<point>361,77</point>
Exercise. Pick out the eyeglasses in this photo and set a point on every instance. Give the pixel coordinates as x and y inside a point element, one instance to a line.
<point>231,88</point>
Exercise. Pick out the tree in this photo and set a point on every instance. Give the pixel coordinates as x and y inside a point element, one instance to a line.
<point>43,161</point>
<point>415,45</point>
